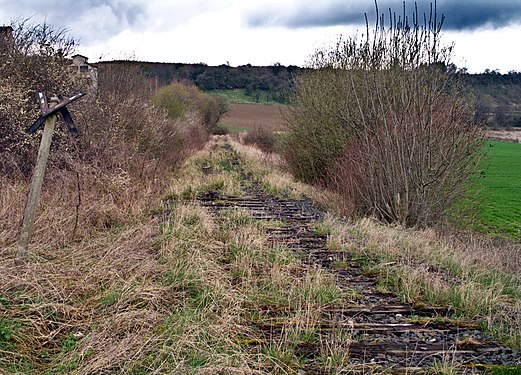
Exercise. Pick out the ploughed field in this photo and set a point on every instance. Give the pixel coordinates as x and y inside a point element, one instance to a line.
<point>247,116</point>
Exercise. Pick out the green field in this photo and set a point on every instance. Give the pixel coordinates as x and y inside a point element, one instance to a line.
<point>242,96</point>
<point>500,191</point>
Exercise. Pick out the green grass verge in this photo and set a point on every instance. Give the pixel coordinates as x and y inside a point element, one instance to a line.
<point>254,97</point>
<point>500,191</point>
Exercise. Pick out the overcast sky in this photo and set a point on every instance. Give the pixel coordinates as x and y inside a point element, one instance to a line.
<point>486,33</point>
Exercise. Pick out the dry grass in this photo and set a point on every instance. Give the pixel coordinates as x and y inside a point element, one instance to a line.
<point>477,277</point>
<point>207,170</point>
<point>138,292</point>
<point>271,171</point>
<point>77,256</point>
<point>75,204</point>
<point>187,292</point>
<point>268,169</point>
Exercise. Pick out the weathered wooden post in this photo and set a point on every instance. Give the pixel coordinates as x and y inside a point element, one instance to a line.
<point>48,118</point>
<point>36,185</point>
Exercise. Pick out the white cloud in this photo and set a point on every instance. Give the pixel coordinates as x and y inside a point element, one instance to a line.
<point>487,49</point>
<point>218,31</point>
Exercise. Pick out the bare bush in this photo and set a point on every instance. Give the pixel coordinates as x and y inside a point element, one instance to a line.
<point>36,61</point>
<point>96,181</point>
<point>264,139</point>
<point>123,129</point>
<point>384,121</point>
<point>120,127</point>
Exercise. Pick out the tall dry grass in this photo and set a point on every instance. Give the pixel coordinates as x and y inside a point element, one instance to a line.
<point>172,291</point>
<point>169,288</point>
<point>95,239</point>
<point>476,276</point>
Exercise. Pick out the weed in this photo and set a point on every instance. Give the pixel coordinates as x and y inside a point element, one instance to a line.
<point>111,298</point>
<point>7,331</point>
<point>65,368</point>
<point>237,217</point>
<point>321,228</point>
<point>284,357</point>
<point>190,295</point>
<point>340,265</point>
<point>69,343</point>
<point>320,294</point>
<point>281,256</point>
<point>225,166</point>
<point>21,367</point>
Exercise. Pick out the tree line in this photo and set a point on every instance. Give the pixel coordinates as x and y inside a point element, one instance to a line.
<point>497,96</point>
<point>277,79</point>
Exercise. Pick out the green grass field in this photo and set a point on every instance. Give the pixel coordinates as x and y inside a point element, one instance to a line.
<point>241,96</point>
<point>500,191</point>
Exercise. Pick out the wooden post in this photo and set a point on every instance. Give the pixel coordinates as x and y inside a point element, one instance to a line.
<point>36,186</point>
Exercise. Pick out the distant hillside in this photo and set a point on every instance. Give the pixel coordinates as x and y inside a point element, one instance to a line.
<point>498,96</point>
<point>276,79</point>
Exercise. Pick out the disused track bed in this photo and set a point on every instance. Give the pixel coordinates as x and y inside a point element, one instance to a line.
<point>384,334</point>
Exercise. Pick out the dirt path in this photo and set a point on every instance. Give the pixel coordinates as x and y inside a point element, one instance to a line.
<point>384,333</point>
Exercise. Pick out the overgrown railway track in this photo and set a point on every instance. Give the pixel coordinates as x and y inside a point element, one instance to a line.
<point>383,333</point>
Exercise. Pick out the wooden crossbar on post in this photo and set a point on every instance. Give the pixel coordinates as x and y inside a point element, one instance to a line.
<point>36,185</point>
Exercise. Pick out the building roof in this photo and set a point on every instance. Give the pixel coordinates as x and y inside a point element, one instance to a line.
<point>78,55</point>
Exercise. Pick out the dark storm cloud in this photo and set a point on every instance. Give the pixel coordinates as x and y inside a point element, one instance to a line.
<point>459,15</point>
<point>87,19</point>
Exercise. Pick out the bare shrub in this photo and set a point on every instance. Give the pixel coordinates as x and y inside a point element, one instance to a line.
<point>384,121</point>
<point>402,172</point>
<point>123,129</point>
<point>264,139</point>
<point>106,176</point>
<point>37,61</point>
<point>318,132</point>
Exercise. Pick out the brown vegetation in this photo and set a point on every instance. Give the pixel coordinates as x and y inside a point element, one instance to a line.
<point>92,227</point>
<point>261,138</point>
<point>136,292</point>
<point>150,285</point>
<point>386,124</point>
<point>96,181</point>
<point>474,275</point>
<point>127,273</point>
